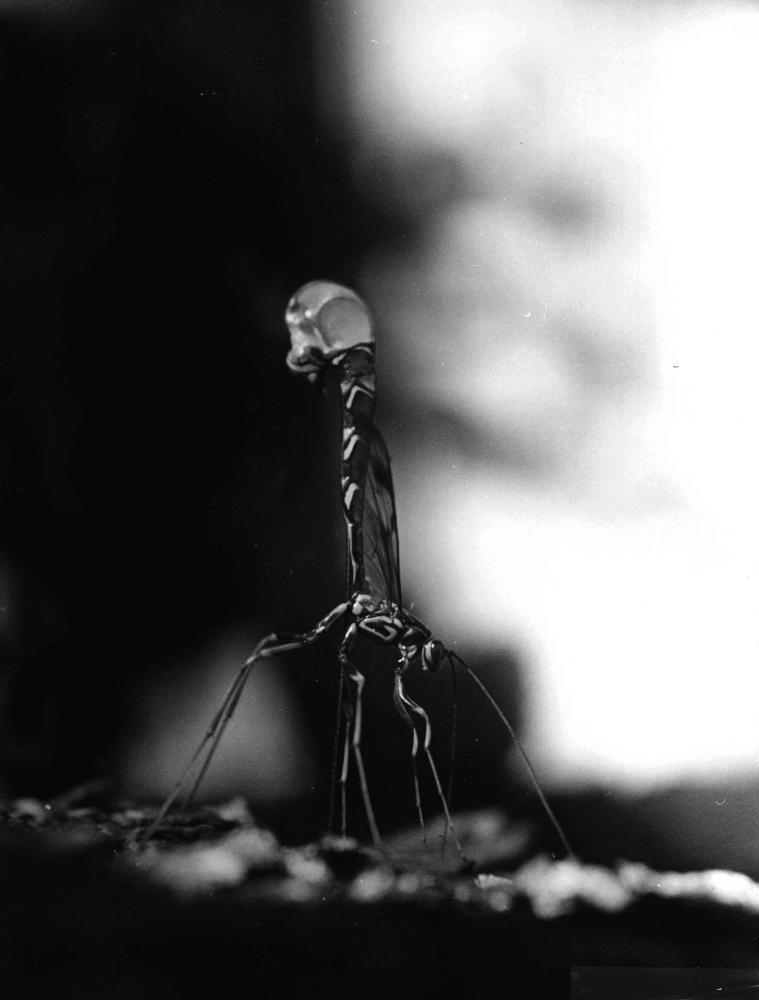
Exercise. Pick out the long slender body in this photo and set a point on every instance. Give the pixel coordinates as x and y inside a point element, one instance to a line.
<point>331,328</point>
<point>331,331</point>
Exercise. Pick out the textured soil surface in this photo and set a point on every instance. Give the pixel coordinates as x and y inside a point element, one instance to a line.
<point>213,905</point>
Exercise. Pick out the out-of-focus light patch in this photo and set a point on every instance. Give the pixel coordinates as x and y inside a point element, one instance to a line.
<point>516,329</point>
<point>263,754</point>
<point>639,637</point>
<point>426,64</point>
<point>627,572</point>
<point>518,88</point>
<point>705,200</point>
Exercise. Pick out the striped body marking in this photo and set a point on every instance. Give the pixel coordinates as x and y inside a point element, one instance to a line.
<point>332,333</point>
<point>358,396</point>
<point>391,625</point>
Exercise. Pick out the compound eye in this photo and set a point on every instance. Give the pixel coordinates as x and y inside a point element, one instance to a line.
<point>433,655</point>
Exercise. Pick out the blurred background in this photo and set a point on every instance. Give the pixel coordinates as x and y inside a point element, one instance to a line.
<point>552,209</point>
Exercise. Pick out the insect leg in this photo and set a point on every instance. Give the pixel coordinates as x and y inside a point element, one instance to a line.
<point>346,706</point>
<point>417,709</point>
<point>358,679</point>
<point>333,776</point>
<point>452,757</point>
<point>227,709</point>
<point>272,645</point>
<point>522,753</point>
<point>213,734</point>
<point>403,712</point>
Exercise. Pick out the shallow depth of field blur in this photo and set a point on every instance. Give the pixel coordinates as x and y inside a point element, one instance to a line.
<point>560,258</point>
<point>573,323</point>
<point>566,355</point>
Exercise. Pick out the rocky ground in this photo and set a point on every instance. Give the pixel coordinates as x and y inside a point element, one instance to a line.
<point>212,903</point>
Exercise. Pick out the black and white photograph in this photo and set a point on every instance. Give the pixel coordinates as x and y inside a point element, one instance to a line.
<point>379,492</point>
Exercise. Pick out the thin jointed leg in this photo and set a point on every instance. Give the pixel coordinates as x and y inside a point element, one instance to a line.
<point>333,774</point>
<point>349,714</point>
<point>522,753</point>
<point>417,710</point>
<point>403,712</point>
<point>271,645</point>
<point>357,678</point>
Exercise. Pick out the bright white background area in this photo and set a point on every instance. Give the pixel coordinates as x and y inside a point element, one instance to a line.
<point>585,302</point>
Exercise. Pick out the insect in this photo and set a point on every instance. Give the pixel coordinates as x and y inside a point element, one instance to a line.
<point>331,329</point>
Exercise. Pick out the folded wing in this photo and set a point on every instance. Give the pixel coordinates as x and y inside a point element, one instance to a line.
<point>382,576</point>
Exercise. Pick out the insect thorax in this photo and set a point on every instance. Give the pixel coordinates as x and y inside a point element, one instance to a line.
<point>388,623</point>
<point>379,619</point>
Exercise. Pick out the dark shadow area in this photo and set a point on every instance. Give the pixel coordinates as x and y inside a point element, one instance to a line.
<point>165,188</point>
